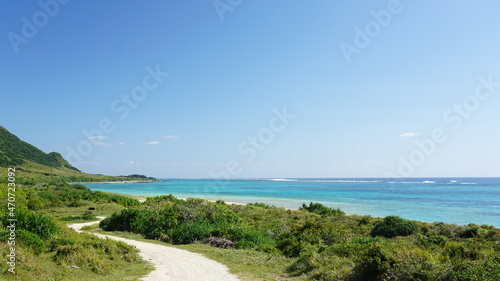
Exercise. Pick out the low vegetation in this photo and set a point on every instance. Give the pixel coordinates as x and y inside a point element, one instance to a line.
<point>46,248</point>
<point>321,243</point>
<point>314,243</point>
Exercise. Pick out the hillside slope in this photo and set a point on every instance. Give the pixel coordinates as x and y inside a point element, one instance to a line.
<point>14,152</point>
<point>33,165</point>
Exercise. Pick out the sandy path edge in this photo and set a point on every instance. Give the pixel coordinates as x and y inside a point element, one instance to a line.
<point>171,263</point>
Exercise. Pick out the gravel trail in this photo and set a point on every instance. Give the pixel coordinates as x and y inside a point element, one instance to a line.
<point>172,263</point>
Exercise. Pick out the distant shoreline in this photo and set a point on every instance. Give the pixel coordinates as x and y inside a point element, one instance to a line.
<point>111,182</point>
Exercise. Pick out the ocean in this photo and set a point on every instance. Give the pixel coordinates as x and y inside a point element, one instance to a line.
<point>451,200</point>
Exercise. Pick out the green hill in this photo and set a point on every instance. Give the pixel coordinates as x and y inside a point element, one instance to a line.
<point>15,152</point>
<point>33,165</point>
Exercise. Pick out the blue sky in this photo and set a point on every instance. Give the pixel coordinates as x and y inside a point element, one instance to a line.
<point>254,89</point>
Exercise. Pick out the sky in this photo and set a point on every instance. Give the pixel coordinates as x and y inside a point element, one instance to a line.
<point>256,89</point>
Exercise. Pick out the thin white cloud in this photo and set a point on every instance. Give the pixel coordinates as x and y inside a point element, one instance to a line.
<point>171,137</point>
<point>152,143</point>
<point>101,143</point>
<point>98,138</point>
<point>409,135</point>
<point>121,143</point>
<point>134,163</point>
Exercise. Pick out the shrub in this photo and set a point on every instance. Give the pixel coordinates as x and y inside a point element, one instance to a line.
<point>472,231</point>
<point>309,260</point>
<point>430,240</point>
<point>266,248</point>
<point>35,203</point>
<point>85,217</point>
<point>30,240</point>
<point>262,205</point>
<point>374,263</point>
<point>334,268</point>
<point>477,270</point>
<point>198,209</point>
<point>248,238</point>
<point>393,226</point>
<point>25,238</point>
<point>80,187</point>
<point>119,221</point>
<point>365,220</point>
<point>40,225</point>
<point>155,225</point>
<point>187,233</point>
<point>320,209</point>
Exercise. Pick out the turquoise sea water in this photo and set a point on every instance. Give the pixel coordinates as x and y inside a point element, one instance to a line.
<point>451,200</point>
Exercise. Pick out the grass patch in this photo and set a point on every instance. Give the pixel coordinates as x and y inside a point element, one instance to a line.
<point>246,263</point>
<point>70,256</point>
<point>77,219</point>
<point>63,213</point>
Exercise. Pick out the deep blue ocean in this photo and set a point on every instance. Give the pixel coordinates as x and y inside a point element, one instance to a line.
<point>451,200</point>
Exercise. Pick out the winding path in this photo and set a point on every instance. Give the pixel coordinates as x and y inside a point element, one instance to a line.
<point>172,263</point>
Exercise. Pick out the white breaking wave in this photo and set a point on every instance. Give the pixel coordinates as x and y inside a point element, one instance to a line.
<point>341,181</point>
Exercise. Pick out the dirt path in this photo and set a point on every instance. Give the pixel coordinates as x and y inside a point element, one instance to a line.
<point>171,263</point>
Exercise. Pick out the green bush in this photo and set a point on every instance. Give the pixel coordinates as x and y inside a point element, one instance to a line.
<point>85,217</point>
<point>187,233</point>
<point>35,203</point>
<point>25,239</point>
<point>266,248</point>
<point>30,240</point>
<point>320,209</point>
<point>477,270</point>
<point>120,221</point>
<point>40,225</point>
<point>374,263</point>
<point>393,226</point>
<point>262,205</point>
<point>365,220</point>
<point>308,260</point>
<point>473,231</point>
